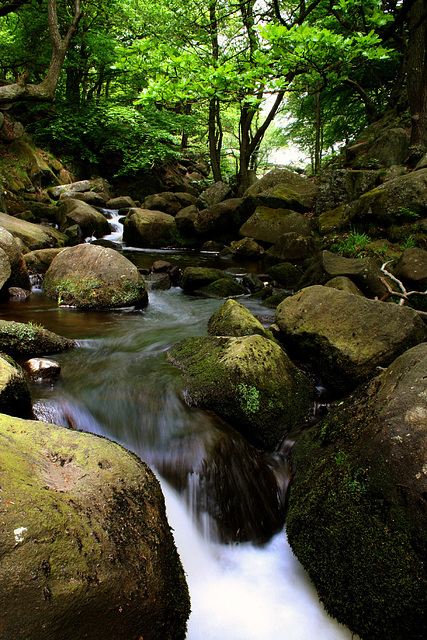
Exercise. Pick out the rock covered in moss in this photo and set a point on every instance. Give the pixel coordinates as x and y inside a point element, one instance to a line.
<point>198,277</point>
<point>146,228</point>
<point>222,288</point>
<point>234,319</point>
<point>20,339</point>
<point>357,520</point>
<point>15,397</point>
<point>246,248</point>
<point>93,277</point>
<point>292,247</point>
<point>346,336</point>
<point>87,551</point>
<point>268,224</point>
<point>286,274</point>
<point>33,236</point>
<point>281,188</point>
<point>248,381</point>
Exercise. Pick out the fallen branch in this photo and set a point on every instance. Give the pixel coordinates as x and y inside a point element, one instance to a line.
<point>402,294</point>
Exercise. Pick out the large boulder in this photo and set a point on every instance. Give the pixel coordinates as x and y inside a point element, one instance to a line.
<point>90,221</point>
<point>234,319</point>
<point>15,397</point>
<point>145,228</point>
<point>346,337</point>
<point>267,225</point>
<point>5,268</point>
<point>32,236</point>
<point>365,273</point>
<point>87,551</point>
<point>338,186</point>
<point>20,339</point>
<point>195,278</point>
<point>218,218</point>
<point>357,519</point>
<point>395,202</point>
<point>214,194</point>
<point>248,381</point>
<point>19,275</point>
<point>390,148</point>
<point>292,247</point>
<point>169,202</point>
<point>93,277</point>
<point>284,189</point>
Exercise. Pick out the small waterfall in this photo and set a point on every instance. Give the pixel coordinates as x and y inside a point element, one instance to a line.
<point>113,217</point>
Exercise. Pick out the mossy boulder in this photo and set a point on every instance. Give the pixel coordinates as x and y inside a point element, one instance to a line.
<point>90,221</point>
<point>5,269</point>
<point>87,551</point>
<point>145,228</point>
<point>292,247</point>
<point>248,381</point>
<point>346,337</point>
<point>19,275</point>
<point>267,224</point>
<point>20,339</point>
<point>396,202</point>
<point>234,319</point>
<point>286,274</point>
<point>15,397</point>
<point>89,277</point>
<point>222,288</point>
<point>246,248</point>
<point>357,520</point>
<point>33,236</point>
<point>281,188</point>
<point>338,186</point>
<point>364,272</point>
<point>194,278</point>
<point>214,194</point>
<point>217,218</point>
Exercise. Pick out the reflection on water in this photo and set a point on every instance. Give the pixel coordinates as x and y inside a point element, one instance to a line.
<point>118,383</point>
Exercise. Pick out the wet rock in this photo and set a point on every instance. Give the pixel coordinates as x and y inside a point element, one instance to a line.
<point>234,319</point>
<point>87,549</point>
<point>42,369</point>
<point>222,288</point>
<point>32,236</point>
<point>249,382</point>
<point>20,339</point>
<point>144,228</point>
<point>357,518</point>
<point>252,282</point>
<point>18,293</point>
<point>15,397</point>
<point>350,336</point>
<point>158,281</point>
<point>198,277</point>
<point>267,225</point>
<point>74,212</point>
<point>92,277</point>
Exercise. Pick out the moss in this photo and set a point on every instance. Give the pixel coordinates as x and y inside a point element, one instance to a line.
<point>286,274</point>
<point>214,369</point>
<point>222,288</point>
<point>95,293</point>
<point>198,277</point>
<point>21,339</point>
<point>351,537</point>
<point>234,319</point>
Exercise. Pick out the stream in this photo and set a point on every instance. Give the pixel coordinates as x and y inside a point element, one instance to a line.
<point>225,500</point>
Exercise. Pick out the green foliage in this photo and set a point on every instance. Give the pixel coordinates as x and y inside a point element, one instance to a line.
<point>354,245</point>
<point>249,398</point>
<point>102,132</point>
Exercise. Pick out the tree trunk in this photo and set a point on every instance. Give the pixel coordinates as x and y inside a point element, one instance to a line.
<point>417,79</point>
<point>45,90</point>
<point>215,138</point>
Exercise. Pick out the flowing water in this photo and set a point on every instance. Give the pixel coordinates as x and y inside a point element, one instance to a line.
<point>225,500</point>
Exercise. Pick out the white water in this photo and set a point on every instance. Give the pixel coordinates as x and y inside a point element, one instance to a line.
<point>116,226</point>
<point>242,592</point>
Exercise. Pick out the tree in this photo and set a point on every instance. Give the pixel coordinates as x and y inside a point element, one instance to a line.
<point>44,90</point>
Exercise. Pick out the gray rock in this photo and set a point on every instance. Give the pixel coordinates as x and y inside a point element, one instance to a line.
<point>32,236</point>
<point>292,247</point>
<point>346,337</point>
<point>90,221</point>
<point>284,189</point>
<point>267,225</point>
<point>411,269</point>
<point>213,195</point>
<point>144,228</point>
